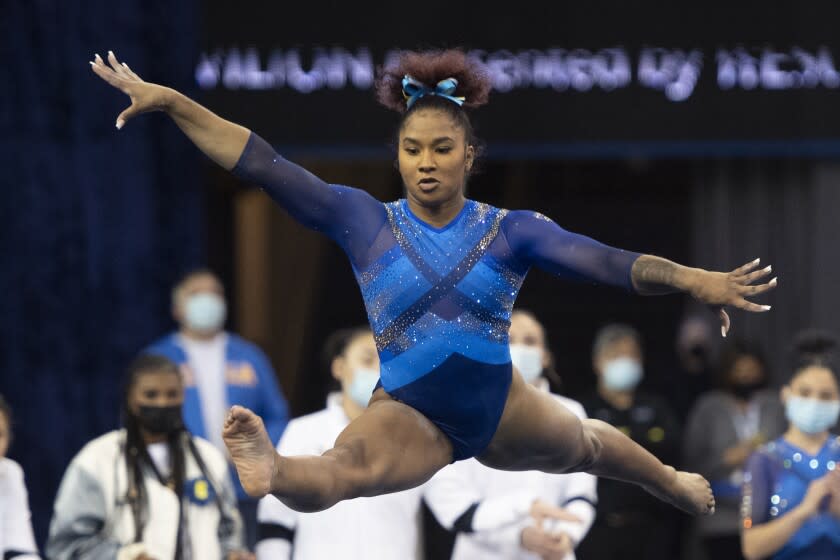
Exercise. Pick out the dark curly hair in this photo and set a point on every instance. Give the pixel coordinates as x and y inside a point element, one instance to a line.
<point>815,347</point>
<point>430,67</point>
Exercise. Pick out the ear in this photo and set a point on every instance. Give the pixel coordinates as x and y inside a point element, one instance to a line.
<point>785,393</point>
<point>338,368</point>
<point>469,156</point>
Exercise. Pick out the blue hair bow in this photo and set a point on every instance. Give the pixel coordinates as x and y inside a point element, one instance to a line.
<point>414,90</point>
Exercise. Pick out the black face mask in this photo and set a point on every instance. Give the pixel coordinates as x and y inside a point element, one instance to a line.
<point>744,391</point>
<point>160,419</point>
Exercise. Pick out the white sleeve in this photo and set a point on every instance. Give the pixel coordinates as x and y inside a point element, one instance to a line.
<point>17,526</point>
<point>277,522</point>
<point>579,498</point>
<point>452,491</point>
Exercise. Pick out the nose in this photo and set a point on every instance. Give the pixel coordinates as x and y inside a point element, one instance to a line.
<point>427,162</point>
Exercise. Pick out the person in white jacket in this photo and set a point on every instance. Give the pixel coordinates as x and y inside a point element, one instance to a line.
<point>385,527</point>
<point>515,515</point>
<point>149,491</point>
<point>16,538</point>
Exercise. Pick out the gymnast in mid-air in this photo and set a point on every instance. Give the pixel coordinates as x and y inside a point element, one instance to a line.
<point>439,274</point>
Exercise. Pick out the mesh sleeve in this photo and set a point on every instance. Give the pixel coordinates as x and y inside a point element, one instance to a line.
<point>755,497</point>
<point>349,216</point>
<point>537,241</point>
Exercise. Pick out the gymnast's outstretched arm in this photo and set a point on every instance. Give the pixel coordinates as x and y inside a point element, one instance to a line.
<point>307,198</point>
<point>537,240</point>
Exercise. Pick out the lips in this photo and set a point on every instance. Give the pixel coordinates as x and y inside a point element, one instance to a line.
<point>428,184</point>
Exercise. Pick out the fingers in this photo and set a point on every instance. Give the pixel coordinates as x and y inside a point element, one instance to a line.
<point>125,115</point>
<point>130,72</point>
<point>724,322</point>
<point>103,71</point>
<point>741,303</point>
<point>740,271</point>
<point>757,289</point>
<point>115,64</point>
<point>753,276</point>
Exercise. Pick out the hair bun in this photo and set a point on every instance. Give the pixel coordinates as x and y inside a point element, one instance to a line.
<point>814,347</point>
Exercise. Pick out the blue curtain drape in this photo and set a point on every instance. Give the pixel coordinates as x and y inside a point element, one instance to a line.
<point>95,224</point>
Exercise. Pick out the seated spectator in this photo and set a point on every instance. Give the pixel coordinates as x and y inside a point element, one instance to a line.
<point>629,522</point>
<point>384,527</point>
<point>791,493</point>
<point>16,539</point>
<point>515,515</point>
<point>150,490</point>
<point>724,428</point>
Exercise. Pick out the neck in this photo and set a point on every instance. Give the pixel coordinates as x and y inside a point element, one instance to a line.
<point>812,443</point>
<point>186,332</point>
<point>622,400</point>
<point>149,438</point>
<point>351,409</point>
<point>440,214</point>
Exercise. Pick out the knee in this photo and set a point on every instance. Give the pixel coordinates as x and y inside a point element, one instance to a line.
<point>589,446</point>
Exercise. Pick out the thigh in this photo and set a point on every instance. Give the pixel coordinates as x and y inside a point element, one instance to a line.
<point>391,447</point>
<point>536,432</point>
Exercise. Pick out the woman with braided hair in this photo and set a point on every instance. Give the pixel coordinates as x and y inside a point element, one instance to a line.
<point>439,274</point>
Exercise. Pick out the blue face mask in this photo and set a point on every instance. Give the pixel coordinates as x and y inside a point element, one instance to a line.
<point>812,416</point>
<point>205,312</point>
<point>361,388</point>
<point>622,374</point>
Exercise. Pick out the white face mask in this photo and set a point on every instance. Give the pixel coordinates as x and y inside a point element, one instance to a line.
<point>622,374</point>
<point>812,416</point>
<point>528,360</point>
<point>205,312</point>
<point>361,388</point>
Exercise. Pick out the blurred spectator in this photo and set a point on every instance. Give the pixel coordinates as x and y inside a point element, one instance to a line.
<point>791,497</point>
<point>16,539</point>
<point>630,523</point>
<point>697,348</point>
<point>724,428</point>
<point>383,527</point>
<point>515,515</point>
<point>149,490</point>
<point>220,369</point>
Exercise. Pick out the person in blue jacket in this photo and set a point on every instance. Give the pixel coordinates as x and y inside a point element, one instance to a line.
<point>220,369</point>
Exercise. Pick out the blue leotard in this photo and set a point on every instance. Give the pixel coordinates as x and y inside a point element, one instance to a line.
<point>438,299</point>
<point>776,480</point>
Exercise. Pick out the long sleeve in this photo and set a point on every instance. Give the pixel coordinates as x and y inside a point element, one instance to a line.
<point>579,498</point>
<point>79,519</point>
<point>451,493</point>
<point>231,528</point>
<point>537,241</point>
<point>17,539</point>
<point>351,217</point>
<point>273,408</point>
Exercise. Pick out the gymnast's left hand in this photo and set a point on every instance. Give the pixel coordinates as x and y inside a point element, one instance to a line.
<point>720,289</point>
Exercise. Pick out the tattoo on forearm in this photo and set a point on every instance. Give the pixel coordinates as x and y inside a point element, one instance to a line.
<point>654,275</point>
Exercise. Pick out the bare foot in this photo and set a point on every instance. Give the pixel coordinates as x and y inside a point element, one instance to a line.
<point>689,492</point>
<point>251,450</point>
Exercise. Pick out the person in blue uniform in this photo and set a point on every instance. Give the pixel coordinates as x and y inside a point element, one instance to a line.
<point>439,274</point>
<point>791,492</point>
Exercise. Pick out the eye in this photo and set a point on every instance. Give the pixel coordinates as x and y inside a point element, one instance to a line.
<point>150,394</point>
<point>444,149</point>
<point>412,151</point>
<point>172,394</point>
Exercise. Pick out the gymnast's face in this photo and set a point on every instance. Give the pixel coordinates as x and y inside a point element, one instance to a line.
<point>434,158</point>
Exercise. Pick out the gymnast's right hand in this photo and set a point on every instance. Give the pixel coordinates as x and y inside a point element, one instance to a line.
<point>145,97</point>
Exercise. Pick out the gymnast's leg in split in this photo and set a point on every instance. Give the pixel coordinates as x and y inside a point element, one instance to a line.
<point>538,433</point>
